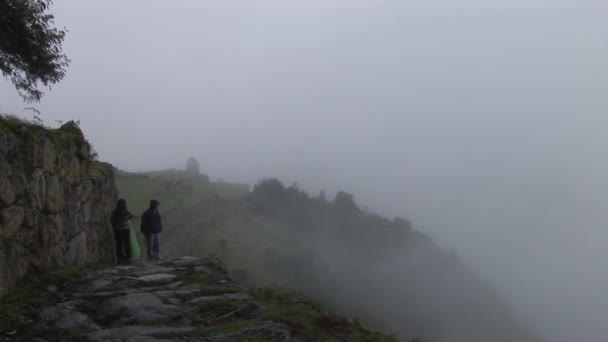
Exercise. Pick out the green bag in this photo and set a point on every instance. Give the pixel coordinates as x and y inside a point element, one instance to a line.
<point>135,251</point>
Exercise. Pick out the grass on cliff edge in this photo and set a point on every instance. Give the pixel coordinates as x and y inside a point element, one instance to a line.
<point>25,131</point>
<point>30,295</point>
<point>139,189</point>
<point>310,321</point>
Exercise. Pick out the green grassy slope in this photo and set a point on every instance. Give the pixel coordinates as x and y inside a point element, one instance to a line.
<point>139,189</point>
<point>192,202</point>
<point>381,271</point>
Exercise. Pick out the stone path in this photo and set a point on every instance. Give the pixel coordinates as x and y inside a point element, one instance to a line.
<point>186,299</point>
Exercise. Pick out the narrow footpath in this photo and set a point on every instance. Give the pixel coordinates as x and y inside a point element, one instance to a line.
<point>185,299</point>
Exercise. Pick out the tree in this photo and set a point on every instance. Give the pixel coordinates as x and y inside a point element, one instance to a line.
<point>270,189</point>
<point>346,201</point>
<point>402,223</point>
<point>267,195</point>
<point>30,47</point>
<point>322,196</point>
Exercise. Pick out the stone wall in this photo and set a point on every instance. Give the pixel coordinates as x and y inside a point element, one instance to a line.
<point>55,200</point>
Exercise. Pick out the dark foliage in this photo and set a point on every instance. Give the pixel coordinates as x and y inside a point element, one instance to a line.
<point>340,219</point>
<point>30,46</point>
<point>379,270</point>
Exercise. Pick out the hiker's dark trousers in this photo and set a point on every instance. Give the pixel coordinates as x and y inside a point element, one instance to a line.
<point>153,244</point>
<point>123,244</point>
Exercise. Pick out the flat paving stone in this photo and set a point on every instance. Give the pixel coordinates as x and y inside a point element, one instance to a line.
<point>151,302</point>
<point>98,284</point>
<point>174,301</point>
<point>174,285</point>
<point>152,269</point>
<point>126,268</point>
<point>157,278</point>
<point>137,307</point>
<point>229,296</point>
<point>140,331</point>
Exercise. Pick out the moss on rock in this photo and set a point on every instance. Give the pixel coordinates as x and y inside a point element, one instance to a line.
<point>45,172</point>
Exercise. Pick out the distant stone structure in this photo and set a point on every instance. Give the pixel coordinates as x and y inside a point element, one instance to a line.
<point>192,166</point>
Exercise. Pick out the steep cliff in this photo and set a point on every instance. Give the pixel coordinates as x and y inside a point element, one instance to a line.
<point>55,200</point>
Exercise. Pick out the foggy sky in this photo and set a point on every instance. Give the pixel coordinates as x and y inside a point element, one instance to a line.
<point>484,122</point>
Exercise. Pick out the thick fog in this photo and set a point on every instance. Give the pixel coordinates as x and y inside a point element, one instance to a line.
<point>483,122</point>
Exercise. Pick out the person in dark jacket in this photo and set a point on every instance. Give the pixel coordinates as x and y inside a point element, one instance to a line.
<point>151,226</point>
<point>120,222</point>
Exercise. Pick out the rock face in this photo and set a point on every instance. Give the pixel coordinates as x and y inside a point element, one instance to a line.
<point>100,307</point>
<point>117,304</point>
<point>55,200</point>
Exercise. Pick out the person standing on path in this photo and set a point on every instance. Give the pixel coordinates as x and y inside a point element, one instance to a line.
<point>120,222</point>
<point>151,226</point>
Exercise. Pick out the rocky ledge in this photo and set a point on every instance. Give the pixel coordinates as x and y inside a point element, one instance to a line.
<point>185,299</point>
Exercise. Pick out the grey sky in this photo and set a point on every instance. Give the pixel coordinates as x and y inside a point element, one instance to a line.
<point>482,121</point>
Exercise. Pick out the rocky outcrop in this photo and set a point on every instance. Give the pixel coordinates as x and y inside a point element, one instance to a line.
<point>185,299</point>
<point>55,200</point>
<point>182,299</point>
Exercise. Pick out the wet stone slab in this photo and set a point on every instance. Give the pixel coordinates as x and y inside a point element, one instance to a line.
<point>157,278</point>
<point>151,302</point>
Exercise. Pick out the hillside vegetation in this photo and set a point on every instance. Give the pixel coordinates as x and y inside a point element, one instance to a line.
<point>381,271</point>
